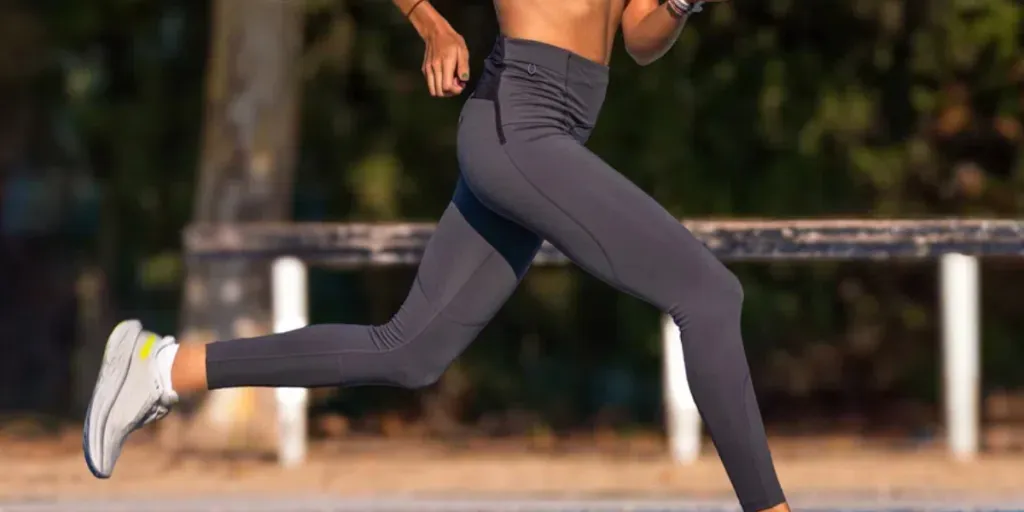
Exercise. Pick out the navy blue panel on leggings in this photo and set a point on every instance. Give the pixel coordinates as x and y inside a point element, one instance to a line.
<point>516,244</point>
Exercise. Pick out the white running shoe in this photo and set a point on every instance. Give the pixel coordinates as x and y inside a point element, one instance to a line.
<point>133,389</point>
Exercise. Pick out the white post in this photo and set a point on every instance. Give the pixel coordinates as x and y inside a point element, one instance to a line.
<point>961,347</point>
<point>682,418</point>
<point>289,295</point>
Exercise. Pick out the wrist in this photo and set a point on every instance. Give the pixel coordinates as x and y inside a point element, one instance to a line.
<point>426,20</point>
<point>681,9</point>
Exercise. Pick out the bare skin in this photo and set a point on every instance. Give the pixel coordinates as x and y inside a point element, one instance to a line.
<point>584,27</point>
<point>188,372</point>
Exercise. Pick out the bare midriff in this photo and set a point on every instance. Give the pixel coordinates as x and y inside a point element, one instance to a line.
<point>584,27</point>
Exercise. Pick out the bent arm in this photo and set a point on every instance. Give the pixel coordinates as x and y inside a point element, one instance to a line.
<point>649,29</point>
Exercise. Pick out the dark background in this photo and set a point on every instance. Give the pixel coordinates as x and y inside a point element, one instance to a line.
<point>768,109</point>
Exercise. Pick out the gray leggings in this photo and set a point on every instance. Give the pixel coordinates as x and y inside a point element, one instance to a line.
<point>527,177</point>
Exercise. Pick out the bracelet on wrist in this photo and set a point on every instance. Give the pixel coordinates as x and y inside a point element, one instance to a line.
<point>413,8</point>
<point>682,8</point>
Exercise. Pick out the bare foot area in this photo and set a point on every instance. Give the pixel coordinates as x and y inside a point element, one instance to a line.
<point>53,468</point>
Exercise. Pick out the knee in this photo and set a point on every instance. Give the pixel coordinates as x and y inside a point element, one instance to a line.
<point>419,374</point>
<point>725,290</point>
<point>717,297</point>
<point>409,361</point>
<point>729,288</point>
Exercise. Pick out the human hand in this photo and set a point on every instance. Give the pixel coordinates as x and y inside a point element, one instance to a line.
<point>445,62</point>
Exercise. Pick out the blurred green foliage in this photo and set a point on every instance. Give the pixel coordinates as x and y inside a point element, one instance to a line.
<point>872,108</point>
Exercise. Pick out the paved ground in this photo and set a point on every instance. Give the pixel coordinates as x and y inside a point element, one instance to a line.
<point>498,505</point>
<point>51,477</point>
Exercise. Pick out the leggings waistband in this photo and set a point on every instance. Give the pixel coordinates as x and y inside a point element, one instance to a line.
<point>555,59</point>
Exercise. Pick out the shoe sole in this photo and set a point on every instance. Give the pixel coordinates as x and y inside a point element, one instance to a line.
<point>112,376</point>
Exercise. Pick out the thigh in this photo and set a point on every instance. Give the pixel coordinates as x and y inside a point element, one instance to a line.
<point>599,219</point>
<point>462,282</point>
<point>472,263</point>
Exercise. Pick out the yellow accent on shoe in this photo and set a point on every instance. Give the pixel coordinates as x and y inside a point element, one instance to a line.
<point>147,347</point>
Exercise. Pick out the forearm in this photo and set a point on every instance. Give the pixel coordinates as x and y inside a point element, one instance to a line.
<point>422,15</point>
<point>654,34</point>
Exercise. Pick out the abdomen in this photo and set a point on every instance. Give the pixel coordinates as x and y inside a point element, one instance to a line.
<point>584,27</point>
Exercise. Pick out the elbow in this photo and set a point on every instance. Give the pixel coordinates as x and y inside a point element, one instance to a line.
<point>642,58</point>
<point>642,54</point>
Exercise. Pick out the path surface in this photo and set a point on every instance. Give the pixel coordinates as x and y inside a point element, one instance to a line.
<point>413,476</point>
<point>494,505</point>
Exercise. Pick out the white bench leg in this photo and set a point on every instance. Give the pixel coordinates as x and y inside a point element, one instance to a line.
<point>960,353</point>
<point>290,296</point>
<point>682,418</point>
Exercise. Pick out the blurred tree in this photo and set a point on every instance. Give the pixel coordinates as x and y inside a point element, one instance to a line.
<point>246,168</point>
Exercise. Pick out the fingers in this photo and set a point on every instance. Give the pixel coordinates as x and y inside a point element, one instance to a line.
<point>462,65</point>
<point>428,74</point>
<point>437,75</point>
<point>448,71</point>
<point>446,67</point>
<point>458,70</point>
<point>434,74</point>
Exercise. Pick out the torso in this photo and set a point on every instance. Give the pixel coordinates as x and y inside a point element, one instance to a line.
<point>584,27</point>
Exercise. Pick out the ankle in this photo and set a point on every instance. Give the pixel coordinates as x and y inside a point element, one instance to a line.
<point>188,372</point>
